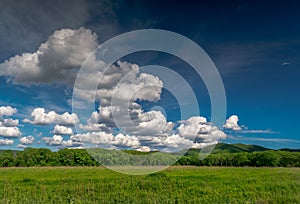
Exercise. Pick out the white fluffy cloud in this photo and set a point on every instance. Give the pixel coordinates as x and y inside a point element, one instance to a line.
<point>93,138</point>
<point>62,130</point>
<point>26,140</point>
<point>140,123</point>
<point>172,142</point>
<point>232,123</point>
<point>152,123</point>
<point>59,142</point>
<point>21,146</point>
<point>56,60</point>
<point>102,138</point>
<point>122,82</point>
<point>191,127</point>
<point>53,141</point>
<point>6,142</point>
<point>8,126</point>
<point>199,130</point>
<point>95,127</point>
<point>142,87</point>
<point>143,149</point>
<point>195,132</point>
<point>7,111</point>
<point>8,122</point>
<point>40,117</point>
<point>126,140</point>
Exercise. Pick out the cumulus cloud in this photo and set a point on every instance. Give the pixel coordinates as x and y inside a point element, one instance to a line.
<point>9,122</point>
<point>93,138</point>
<point>151,123</point>
<point>26,140</point>
<point>59,142</point>
<point>62,130</point>
<point>143,149</point>
<point>122,81</point>
<point>40,117</point>
<point>198,129</point>
<point>140,123</point>
<point>7,111</point>
<point>175,141</point>
<point>95,127</point>
<point>56,61</point>
<point>170,143</point>
<point>102,138</point>
<point>232,123</point>
<point>8,126</point>
<point>21,146</point>
<point>53,141</point>
<point>194,132</point>
<point>6,142</point>
<point>126,140</point>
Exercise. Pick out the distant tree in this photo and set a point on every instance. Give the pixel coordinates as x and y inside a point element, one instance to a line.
<point>7,158</point>
<point>240,159</point>
<point>267,158</point>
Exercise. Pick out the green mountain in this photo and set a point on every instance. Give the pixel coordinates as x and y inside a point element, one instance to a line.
<point>230,148</point>
<point>235,148</point>
<point>239,147</point>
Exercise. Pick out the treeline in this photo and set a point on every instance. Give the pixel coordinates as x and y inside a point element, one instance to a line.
<point>268,158</point>
<point>45,157</point>
<point>78,157</point>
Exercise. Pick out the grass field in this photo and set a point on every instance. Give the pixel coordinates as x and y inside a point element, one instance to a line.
<point>173,185</point>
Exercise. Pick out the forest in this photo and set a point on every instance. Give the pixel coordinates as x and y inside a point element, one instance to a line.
<point>221,156</point>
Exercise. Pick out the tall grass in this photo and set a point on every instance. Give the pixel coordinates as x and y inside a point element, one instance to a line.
<point>174,185</point>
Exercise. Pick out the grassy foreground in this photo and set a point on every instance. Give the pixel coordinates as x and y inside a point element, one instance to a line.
<point>173,185</point>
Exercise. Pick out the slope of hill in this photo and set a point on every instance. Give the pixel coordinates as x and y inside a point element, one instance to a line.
<point>230,148</point>
<point>235,148</point>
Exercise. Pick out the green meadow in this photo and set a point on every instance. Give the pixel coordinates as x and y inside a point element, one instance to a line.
<point>178,184</point>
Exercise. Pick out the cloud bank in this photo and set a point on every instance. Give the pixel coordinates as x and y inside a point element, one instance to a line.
<point>120,120</point>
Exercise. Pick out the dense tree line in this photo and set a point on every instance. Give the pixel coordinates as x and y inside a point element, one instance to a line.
<point>45,157</point>
<point>78,157</point>
<point>268,158</point>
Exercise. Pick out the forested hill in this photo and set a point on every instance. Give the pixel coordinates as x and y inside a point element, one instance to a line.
<point>222,155</point>
<point>235,148</point>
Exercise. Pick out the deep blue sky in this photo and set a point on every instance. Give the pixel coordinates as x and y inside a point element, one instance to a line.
<point>254,45</point>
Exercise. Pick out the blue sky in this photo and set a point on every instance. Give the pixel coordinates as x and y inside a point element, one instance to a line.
<point>254,45</point>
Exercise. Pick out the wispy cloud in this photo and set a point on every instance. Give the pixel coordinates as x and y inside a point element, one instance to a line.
<point>268,131</point>
<point>285,63</point>
<point>242,138</point>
